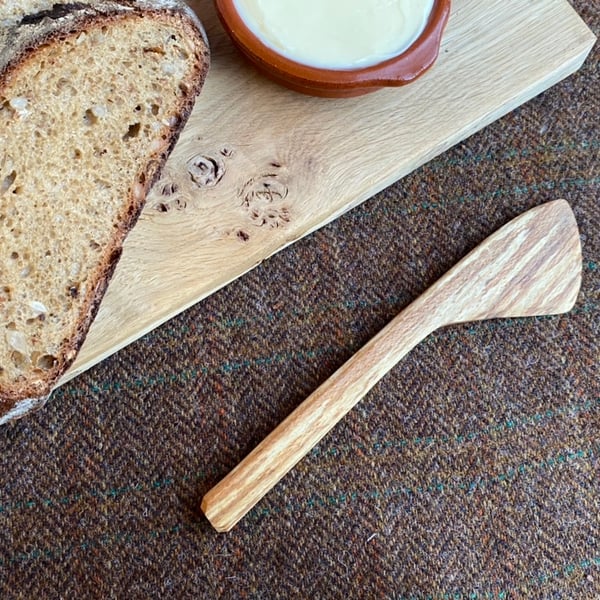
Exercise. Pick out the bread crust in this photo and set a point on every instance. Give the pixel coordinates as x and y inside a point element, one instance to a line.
<point>18,44</point>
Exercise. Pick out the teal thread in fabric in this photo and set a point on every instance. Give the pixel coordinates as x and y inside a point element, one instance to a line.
<point>570,410</point>
<point>456,595</point>
<point>465,485</point>
<point>517,190</point>
<point>68,550</point>
<point>231,367</point>
<point>510,154</point>
<point>585,564</point>
<point>111,493</point>
<point>192,374</point>
<point>115,492</point>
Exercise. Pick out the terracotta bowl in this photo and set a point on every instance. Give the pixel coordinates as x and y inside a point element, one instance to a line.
<point>396,71</point>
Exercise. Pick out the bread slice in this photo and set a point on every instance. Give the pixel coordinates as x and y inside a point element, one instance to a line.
<point>93,96</point>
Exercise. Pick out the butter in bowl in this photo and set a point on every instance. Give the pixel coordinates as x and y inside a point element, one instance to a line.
<point>337,48</point>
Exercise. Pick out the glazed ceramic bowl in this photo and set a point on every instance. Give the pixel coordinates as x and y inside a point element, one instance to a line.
<point>395,71</point>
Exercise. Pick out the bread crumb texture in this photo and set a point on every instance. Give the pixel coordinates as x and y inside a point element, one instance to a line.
<point>82,121</point>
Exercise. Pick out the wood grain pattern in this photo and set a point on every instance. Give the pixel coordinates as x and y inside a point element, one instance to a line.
<point>258,166</point>
<point>532,266</point>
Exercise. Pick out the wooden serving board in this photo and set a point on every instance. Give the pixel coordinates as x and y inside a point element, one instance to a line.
<point>258,166</point>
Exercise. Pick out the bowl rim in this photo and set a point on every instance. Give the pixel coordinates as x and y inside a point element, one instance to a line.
<point>394,71</point>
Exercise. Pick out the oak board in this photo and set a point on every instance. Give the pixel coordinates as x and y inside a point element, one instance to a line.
<point>258,167</point>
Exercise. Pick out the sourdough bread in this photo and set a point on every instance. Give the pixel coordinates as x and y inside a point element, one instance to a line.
<point>93,96</point>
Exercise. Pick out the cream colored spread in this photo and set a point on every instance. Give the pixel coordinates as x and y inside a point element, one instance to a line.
<point>336,34</point>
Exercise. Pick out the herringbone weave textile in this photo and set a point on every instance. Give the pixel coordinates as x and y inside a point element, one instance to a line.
<point>471,471</point>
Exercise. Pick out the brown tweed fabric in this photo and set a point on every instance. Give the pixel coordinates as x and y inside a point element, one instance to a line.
<point>472,471</point>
